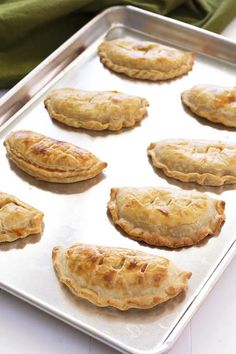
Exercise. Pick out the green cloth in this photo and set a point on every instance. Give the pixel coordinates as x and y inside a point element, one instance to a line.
<point>31,29</point>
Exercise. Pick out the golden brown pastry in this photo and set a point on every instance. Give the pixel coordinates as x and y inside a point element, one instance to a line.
<point>205,162</point>
<point>95,110</point>
<point>166,217</point>
<point>51,160</point>
<point>118,277</point>
<point>145,60</point>
<point>215,103</point>
<point>17,219</point>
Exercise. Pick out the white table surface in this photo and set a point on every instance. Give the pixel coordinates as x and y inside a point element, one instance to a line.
<point>26,330</point>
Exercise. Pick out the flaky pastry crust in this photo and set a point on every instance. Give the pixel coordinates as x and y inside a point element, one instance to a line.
<point>118,277</point>
<point>166,217</point>
<point>215,103</point>
<point>51,160</point>
<point>145,60</point>
<point>111,110</point>
<point>17,219</point>
<point>206,162</point>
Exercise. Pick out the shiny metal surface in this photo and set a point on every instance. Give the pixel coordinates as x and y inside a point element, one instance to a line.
<point>77,212</point>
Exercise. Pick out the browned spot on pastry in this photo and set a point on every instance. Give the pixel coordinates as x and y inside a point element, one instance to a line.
<point>132,265</point>
<point>100,262</point>
<point>40,149</point>
<point>94,258</point>
<point>225,100</point>
<point>18,232</point>
<point>143,268</point>
<point>170,291</point>
<point>140,279</point>
<point>109,276</point>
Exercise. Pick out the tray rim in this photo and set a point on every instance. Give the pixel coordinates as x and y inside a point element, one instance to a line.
<point>228,256</point>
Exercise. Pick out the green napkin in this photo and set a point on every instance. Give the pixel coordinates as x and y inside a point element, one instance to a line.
<point>31,29</point>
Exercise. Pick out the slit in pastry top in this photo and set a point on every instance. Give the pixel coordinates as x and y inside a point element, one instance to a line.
<point>118,277</point>
<point>17,219</point>
<point>95,110</point>
<point>165,216</point>
<point>206,162</point>
<point>51,160</point>
<point>145,60</point>
<point>214,103</point>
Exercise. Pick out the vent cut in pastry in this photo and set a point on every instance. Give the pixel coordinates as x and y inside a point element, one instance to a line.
<point>17,219</point>
<point>205,162</point>
<point>95,110</point>
<point>166,217</point>
<point>145,60</point>
<point>215,103</point>
<point>51,160</point>
<point>118,277</point>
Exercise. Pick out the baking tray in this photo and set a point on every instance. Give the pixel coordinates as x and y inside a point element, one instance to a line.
<point>77,212</point>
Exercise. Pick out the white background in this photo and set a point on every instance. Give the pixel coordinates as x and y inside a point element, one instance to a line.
<point>26,330</point>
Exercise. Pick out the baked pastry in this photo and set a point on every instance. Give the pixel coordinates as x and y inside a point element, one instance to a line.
<point>166,217</point>
<point>118,277</point>
<point>17,219</point>
<point>145,60</point>
<point>205,162</point>
<point>51,160</point>
<point>215,103</point>
<point>95,110</point>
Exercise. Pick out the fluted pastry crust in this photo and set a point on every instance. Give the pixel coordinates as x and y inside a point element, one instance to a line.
<point>51,160</point>
<point>206,162</point>
<point>111,110</point>
<point>166,217</point>
<point>118,277</point>
<point>215,103</point>
<point>17,219</point>
<point>145,60</point>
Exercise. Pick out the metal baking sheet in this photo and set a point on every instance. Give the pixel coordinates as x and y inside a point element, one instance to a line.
<point>77,212</point>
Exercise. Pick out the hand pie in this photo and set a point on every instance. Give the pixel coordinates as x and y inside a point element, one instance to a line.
<point>205,162</point>
<point>118,277</point>
<point>145,60</point>
<point>95,110</point>
<point>215,103</point>
<point>17,219</point>
<point>51,160</point>
<point>166,217</point>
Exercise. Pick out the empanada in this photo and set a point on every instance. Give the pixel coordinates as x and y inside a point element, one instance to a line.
<point>51,160</point>
<point>145,60</point>
<point>17,219</point>
<point>95,110</point>
<point>118,277</point>
<point>205,162</point>
<point>166,217</point>
<point>215,103</point>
